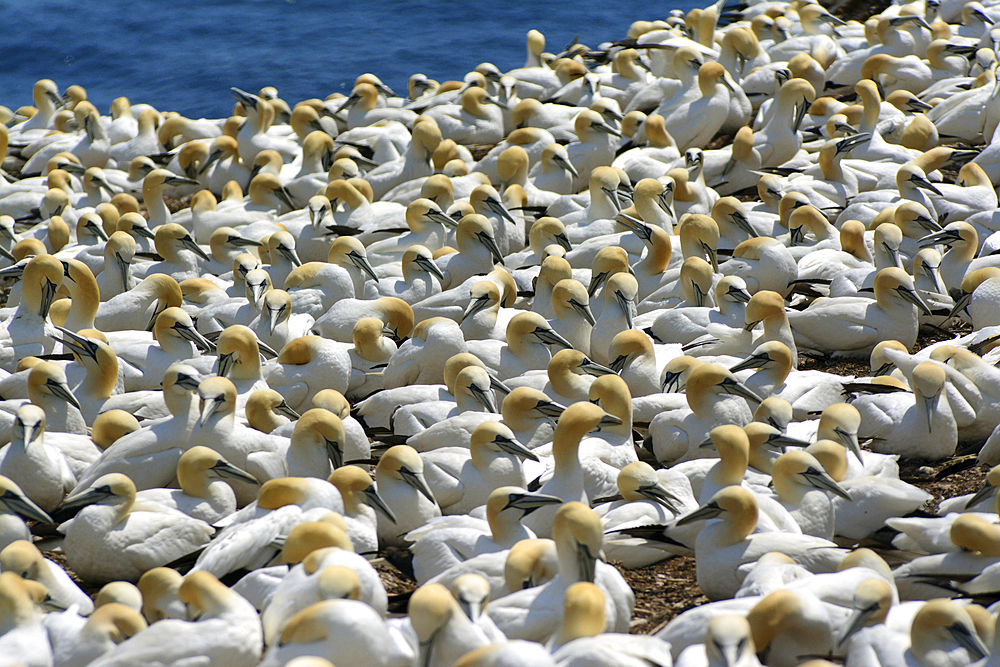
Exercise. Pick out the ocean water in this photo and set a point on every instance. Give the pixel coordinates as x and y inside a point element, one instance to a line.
<point>184,55</point>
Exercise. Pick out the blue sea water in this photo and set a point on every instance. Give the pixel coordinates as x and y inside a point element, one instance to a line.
<point>184,55</point>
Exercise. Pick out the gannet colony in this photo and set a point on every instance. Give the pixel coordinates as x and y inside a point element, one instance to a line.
<point>515,335</point>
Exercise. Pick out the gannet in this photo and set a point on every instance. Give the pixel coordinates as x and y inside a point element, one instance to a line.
<point>145,537</point>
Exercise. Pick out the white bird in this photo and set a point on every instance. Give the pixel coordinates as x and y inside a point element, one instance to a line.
<point>402,485</point>
<point>88,639</point>
<point>852,327</point>
<point>580,640</point>
<point>227,630</point>
<point>15,507</point>
<point>449,541</point>
<point>567,481</point>
<point>26,560</point>
<point>248,536</point>
<point>113,538</point>
<point>724,545</point>
<point>25,640</point>
<point>535,613</point>
<point>204,493</point>
<point>31,463</point>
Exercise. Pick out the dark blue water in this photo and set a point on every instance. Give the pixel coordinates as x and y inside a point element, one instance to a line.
<point>183,55</point>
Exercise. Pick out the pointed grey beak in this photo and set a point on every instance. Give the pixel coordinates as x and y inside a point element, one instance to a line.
<point>498,386</point>
<point>850,441</point>
<point>859,618</point>
<point>713,258</point>
<point>945,237</point>
<point>699,295</point>
<point>618,363</point>
<point>796,235</point>
<point>753,361</point>
<point>663,202</point>
<point>241,242</point>
<point>82,346</point>
<point>290,255</point>
<point>210,406</point>
<point>285,197</point>
<point>274,317</point>
<point>781,441</point>
<point>283,409</point>
<point>924,184</point>
<point>188,243</point>
<point>373,499</point>
<point>930,403</point>
<point>738,294</point>
<point>563,242</point>
<point>822,481</point>
<point>158,308</point>
<point>609,420</point>
<point>24,507</point>
<point>893,255</point>
<point>48,296</point>
<point>334,452</point>
<point>970,641</point>
<point>89,497</point>
<point>226,470</point>
<point>529,502</point>
<point>434,215</point>
<point>187,382</point>
<point>551,337</point>
<point>191,334</point>
<point>499,209</point>
<point>566,165</point>
<point>362,263</point>
<point>613,197</point>
<point>212,157</point>
<point>143,232</point>
<point>61,390</point>
<point>671,383</point>
<point>584,310</point>
<point>180,180</point>
<point>97,230</point>
<point>587,562</point>
<point>637,227</point>
<point>123,269</point>
<point>848,143</point>
<point>709,511</point>
<point>257,291</point>
<point>491,245</point>
<point>417,482</point>
<point>549,409</point>
<point>246,98</point>
<point>913,298</point>
<point>741,221</point>
<point>485,397</point>
<point>737,388</point>
<point>601,126</point>
<point>596,280</point>
<point>661,496</point>
<point>884,369</point>
<point>475,306</point>
<point>225,364</point>
<point>627,305</point>
<point>515,448</point>
<point>317,215</point>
